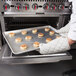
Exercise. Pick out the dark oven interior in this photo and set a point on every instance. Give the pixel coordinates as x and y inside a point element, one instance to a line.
<point>29,22</point>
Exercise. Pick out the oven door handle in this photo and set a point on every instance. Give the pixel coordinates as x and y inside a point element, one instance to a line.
<point>38,13</point>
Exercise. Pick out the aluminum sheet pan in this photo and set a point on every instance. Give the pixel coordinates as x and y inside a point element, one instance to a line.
<point>15,47</point>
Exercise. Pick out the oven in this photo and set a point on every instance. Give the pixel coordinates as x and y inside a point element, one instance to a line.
<point>20,14</point>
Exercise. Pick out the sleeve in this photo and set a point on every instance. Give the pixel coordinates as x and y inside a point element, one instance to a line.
<point>72,32</point>
<point>70,0</point>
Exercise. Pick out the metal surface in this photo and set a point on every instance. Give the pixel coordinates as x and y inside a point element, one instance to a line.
<point>0,41</point>
<point>9,58</point>
<point>15,47</point>
<point>40,10</point>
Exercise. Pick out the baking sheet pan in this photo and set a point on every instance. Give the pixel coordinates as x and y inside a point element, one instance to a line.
<point>15,47</point>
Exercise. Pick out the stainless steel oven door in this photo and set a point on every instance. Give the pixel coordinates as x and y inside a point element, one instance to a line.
<point>7,57</point>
